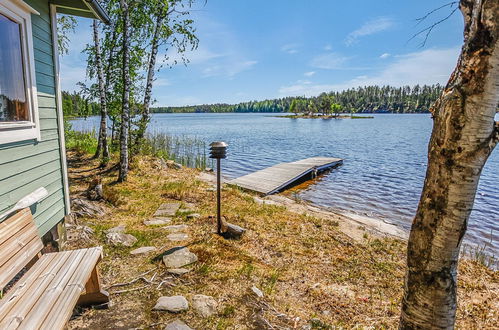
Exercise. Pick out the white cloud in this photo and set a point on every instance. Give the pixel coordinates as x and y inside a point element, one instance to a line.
<point>229,69</point>
<point>384,55</point>
<point>429,66</point>
<point>309,74</point>
<point>328,47</point>
<point>197,56</point>
<point>329,61</point>
<point>290,48</point>
<point>370,27</point>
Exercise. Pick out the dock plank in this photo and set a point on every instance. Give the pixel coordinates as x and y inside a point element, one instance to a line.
<point>273,179</point>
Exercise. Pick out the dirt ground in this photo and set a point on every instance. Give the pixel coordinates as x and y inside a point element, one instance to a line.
<point>316,269</point>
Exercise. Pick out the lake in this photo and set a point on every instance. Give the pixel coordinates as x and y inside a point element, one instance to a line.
<point>384,161</point>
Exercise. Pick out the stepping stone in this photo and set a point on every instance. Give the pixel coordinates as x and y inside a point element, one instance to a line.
<point>178,257</point>
<point>193,216</point>
<point>143,250</point>
<point>178,271</point>
<point>174,304</point>
<point>178,237</point>
<point>168,209</point>
<point>118,239</point>
<point>157,221</point>
<point>118,229</point>
<point>177,325</point>
<point>176,228</point>
<point>205,306</point>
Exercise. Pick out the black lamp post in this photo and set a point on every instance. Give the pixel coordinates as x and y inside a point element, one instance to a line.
<point>218,151</point>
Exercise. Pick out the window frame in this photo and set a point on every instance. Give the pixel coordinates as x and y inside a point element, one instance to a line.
<point>20,12</point>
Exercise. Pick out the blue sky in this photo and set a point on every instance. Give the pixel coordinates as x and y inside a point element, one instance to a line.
<point>257,49</point>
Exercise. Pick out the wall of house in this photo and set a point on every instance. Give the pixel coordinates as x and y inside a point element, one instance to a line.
<point>26,166</point>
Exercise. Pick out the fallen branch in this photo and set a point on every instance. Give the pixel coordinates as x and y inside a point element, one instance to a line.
<point>130,290</point>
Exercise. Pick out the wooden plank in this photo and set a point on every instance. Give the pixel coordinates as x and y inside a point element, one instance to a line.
<point>10,225</point>
<point>62,308</point>
<point>32,304</point>
<point>277,177</point>
<point>24,285</point>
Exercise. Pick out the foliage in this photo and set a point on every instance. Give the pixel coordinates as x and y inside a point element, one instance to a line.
<point>406,99</point>
<point>66,25</point>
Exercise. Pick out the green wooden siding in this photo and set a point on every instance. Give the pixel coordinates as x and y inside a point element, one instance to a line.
<point>26,165</point>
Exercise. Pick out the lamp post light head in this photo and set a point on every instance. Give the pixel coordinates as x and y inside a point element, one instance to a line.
<point>218,150</point>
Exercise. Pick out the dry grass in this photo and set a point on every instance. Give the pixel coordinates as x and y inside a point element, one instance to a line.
<point>306,267</point>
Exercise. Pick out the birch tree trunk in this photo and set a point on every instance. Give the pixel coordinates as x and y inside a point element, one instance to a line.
<point>146,115</point>
<point>464,135</point>
<point>125,115</point>
<point>102,140</point>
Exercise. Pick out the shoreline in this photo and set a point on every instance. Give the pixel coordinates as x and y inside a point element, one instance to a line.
<point>353,225</point>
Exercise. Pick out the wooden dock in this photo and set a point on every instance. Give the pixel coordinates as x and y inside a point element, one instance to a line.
<point>278,177</point>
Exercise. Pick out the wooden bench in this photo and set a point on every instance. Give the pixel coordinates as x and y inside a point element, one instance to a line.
<point>44,297</point>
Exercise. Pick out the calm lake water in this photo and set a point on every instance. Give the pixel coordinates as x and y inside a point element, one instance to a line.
<point>384,161</point>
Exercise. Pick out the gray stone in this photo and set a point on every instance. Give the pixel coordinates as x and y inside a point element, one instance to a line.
<point>257,291</point>
<point>143,250</point>
<point>117,239</point>
<point>177,325</point>
<point>176,228</point>
<point>193,216</point>
<point>173,304</point>
<point>178,271</point>
<point>168,209</point>
<point>118,229</point>
<point>157,221</point>
<point>179,257</point>
<point>205,306</point>
<point>232,231</point>
<point>178,237</point>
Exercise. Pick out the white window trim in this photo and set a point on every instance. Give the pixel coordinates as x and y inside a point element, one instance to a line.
<point>20,12</point>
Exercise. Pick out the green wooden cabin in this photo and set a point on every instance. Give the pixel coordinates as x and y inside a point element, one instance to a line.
<point>32,153</point>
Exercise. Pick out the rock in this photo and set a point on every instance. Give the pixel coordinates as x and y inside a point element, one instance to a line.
<point>84,208</point>
<point>257,291</point>
<point>117,229</point>
<point>232,231</point>
<point>178,271</point>
<point>157,221</point>
<point>208,169</point>
<point>211,189</point>
<point>177,325</point>
<point>193,216</point>
<point>184,210</point>
<point>178,257</point>
<point>176,228</point>
<point>177,166</point>
<point>117,239</point>
<point>143,250</point>
<point>205,306</point>
<point>178,237</point>
<point>174,304</point>
<point>94,191</point>
<point>167,209</point>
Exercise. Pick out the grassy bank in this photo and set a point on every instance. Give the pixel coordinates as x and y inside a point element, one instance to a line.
<point>310,272</point>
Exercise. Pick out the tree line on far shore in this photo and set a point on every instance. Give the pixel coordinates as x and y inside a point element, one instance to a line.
<point>406,99</point>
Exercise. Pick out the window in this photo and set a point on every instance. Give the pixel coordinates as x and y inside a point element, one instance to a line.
<point>18,106</point>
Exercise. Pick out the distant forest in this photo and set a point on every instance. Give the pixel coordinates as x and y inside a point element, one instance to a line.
<point>378,99</point>
<point>406,99</point>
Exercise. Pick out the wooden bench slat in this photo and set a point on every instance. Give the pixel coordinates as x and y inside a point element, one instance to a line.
<point>19,260</point>
<point>46,302</point>
<point>11,225</point>
<point>15,243</point>
<point>24,305</point>
<point>24,284</point>
<point>60,313</point>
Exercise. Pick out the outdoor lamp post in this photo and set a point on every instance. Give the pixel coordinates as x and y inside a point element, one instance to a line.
<point>218,151</point>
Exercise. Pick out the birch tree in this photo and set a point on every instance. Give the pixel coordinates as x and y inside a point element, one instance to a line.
<point>125,114</point>
<point>464,135</point>
<point>102,147</point>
